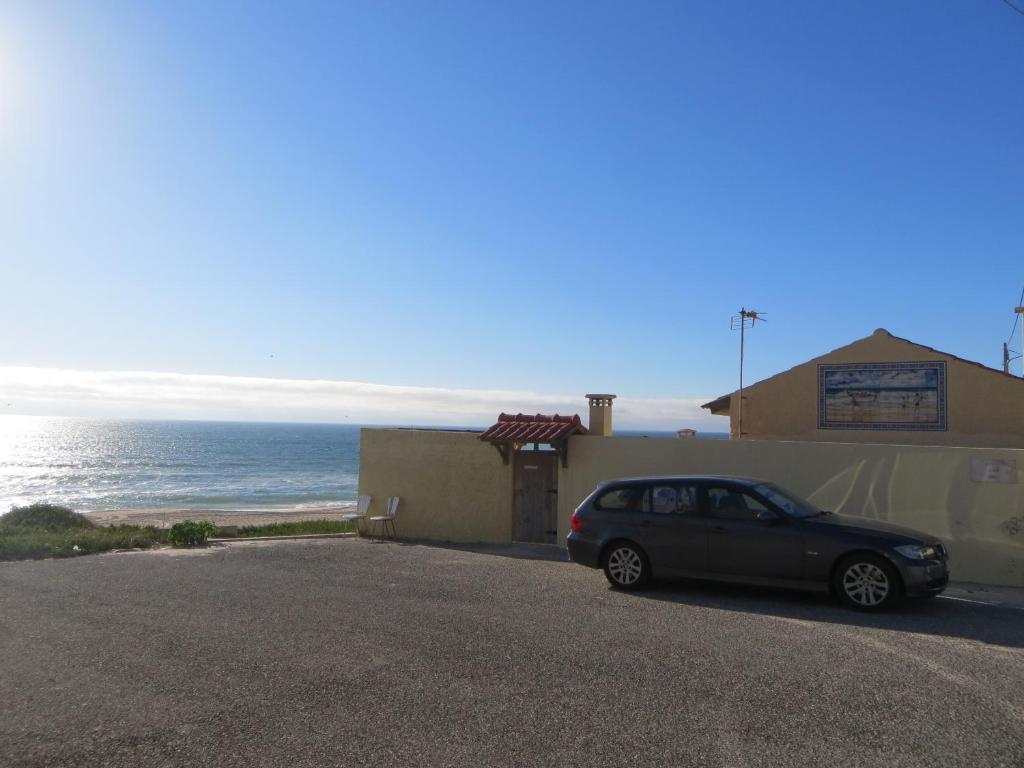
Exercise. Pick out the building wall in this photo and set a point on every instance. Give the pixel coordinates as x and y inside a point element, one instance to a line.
<point>926,488</point>
<point>452,486</point>
<point>984,407</point>
<point>455,488</point>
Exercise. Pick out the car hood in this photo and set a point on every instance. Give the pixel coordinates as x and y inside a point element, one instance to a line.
<point>851,523</point>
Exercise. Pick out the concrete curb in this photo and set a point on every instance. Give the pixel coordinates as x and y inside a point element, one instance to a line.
<point>243,539</point>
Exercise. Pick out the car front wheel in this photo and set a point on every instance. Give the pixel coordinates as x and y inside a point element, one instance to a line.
<point>625,566</point>
<point>868,583</point>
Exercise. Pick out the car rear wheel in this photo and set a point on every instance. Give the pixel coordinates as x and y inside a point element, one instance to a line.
<point>625,566</point>
<point>868,582</point>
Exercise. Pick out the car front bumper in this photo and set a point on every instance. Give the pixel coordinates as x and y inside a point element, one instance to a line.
<point>923,578</point>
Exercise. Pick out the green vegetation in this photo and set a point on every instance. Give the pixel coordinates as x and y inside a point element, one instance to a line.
<point>47,530</point>
<point>297,528</point>
<point>48,516</point>
<point>189,533</point>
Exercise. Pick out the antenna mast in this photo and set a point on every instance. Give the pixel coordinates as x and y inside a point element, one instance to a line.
<point>746,319</point>
<point>1007,356</point>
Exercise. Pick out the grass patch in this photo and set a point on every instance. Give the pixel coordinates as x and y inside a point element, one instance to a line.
<point>48,516</point>
<point>298,528</point>
<point>29,543</point>
<point>48,530</point>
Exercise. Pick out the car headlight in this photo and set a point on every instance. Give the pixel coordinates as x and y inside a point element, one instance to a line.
<point>917,551</point>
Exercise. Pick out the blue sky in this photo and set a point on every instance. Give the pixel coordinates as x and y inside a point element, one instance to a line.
<point>553,198</point>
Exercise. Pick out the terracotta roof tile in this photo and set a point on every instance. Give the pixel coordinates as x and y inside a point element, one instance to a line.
<point>533,429</point>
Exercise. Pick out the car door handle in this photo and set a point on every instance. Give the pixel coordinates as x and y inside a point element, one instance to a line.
<point>646,523</point>
<point>719,529</point>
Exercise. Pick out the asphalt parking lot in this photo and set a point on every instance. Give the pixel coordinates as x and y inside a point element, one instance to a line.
<point>345,652</point>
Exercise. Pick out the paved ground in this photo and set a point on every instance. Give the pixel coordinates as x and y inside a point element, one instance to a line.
<point>344,652</point>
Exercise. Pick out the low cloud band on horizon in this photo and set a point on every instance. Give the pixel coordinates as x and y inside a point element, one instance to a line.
<point>147,394</point>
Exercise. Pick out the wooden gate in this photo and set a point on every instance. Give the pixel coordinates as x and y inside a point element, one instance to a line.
<point>535,506</point>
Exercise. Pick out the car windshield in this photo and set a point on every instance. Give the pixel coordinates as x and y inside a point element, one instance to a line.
<point>789,502</point>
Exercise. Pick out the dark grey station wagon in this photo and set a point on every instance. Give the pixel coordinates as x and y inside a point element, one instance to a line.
<point>750,531</point>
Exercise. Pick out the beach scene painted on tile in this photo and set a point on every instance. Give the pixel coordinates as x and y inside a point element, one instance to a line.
<point>882,396</point>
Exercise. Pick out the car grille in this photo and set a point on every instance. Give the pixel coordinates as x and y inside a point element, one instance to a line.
<point>938,583</point>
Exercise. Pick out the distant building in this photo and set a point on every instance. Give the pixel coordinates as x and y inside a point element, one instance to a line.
<point>686,433</point>
<point>882,389</point>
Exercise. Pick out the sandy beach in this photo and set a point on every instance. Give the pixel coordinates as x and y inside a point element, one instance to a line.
<point>163,518</point>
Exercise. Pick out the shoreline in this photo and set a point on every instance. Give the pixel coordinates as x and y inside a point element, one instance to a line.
<point>164,518</point>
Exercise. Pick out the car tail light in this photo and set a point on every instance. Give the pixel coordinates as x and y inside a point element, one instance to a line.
<point>576,523</point>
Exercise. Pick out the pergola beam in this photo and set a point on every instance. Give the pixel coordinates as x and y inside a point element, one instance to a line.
<point>506,448</point>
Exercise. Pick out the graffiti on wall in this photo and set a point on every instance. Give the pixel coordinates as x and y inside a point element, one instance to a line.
<point>903,396</point>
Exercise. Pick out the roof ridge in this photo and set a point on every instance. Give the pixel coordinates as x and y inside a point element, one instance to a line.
<point>540,417</point>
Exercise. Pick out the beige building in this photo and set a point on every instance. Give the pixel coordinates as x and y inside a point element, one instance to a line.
<point>882,389</point>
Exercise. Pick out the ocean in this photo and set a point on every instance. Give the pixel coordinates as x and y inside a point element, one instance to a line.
<point>92,465</point>
<point>103,465</point>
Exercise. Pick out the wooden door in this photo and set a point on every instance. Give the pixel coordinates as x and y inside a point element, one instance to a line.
<point>535,506</point>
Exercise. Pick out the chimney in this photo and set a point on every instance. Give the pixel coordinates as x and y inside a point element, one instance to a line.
<point>601,415</point>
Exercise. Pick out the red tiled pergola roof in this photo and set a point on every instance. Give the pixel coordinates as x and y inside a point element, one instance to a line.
<point>533,429</point>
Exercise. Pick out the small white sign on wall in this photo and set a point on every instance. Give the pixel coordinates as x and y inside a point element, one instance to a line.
<point>994,470</point>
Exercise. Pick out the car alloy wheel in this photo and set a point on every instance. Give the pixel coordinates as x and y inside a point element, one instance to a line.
<point>625,567</point>
<point>866,585</point>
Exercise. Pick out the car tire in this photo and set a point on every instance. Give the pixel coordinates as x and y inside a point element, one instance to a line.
<point>626,566</point>
<point>868,582</point>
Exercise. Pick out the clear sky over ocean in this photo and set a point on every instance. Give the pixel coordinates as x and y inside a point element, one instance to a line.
<point>545,198</point>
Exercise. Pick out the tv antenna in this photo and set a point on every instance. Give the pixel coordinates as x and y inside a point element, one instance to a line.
<point>745,319</point>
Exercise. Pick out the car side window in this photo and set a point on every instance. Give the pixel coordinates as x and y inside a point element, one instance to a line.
<point>673,499</point>
<point>732,504</point>
<point>686,504</point>
<point>618,499</point>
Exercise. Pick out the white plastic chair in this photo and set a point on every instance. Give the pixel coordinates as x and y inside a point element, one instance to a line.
<point>362,510</point>
<point>388,518</point>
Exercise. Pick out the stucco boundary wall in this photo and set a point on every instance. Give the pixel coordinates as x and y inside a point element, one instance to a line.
<point>452,486</point>
<point>926,488</point>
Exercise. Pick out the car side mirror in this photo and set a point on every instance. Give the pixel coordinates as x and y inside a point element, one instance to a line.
<point>767,516</point>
